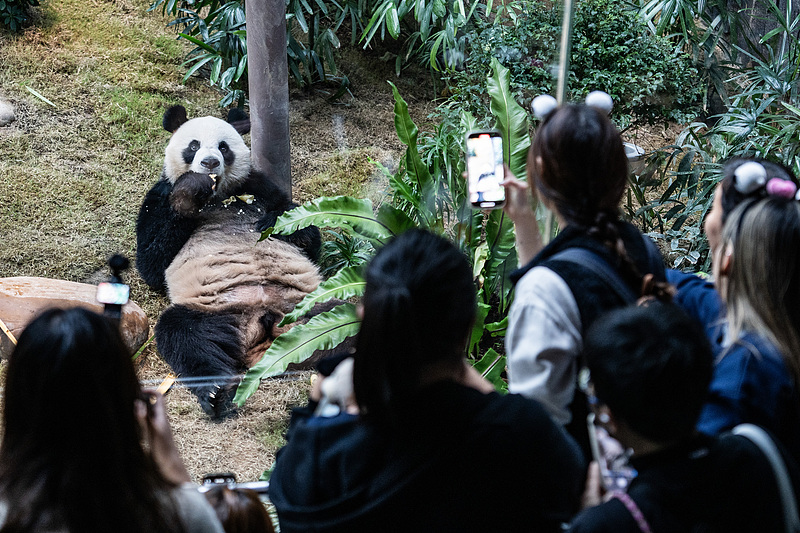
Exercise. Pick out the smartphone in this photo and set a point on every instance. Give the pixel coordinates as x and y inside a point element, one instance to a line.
<point>615,470</point>
<point>485,169</point>
<point>113,293</point>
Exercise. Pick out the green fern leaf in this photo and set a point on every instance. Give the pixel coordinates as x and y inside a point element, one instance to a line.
<point>323,332</point>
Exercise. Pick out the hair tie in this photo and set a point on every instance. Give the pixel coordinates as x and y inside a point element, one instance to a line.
<point>749,176</point>
<point>781,188</point>
<point>543,105</point>
<point>600,100</point>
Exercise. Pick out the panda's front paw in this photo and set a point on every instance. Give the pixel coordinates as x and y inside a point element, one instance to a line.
<point>217,401</point>
<point>191,192</point>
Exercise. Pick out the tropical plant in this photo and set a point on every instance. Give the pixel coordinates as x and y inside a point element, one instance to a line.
<point>219,33</point>
<point>762,121</point>
<point>612,50</point>
<point>435,31</point>
<point>703,28</point>
<point>428,192</point>
<point>15,13</point>
<point>341,250</point>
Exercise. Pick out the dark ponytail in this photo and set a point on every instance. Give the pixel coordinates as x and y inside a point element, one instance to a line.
<point>419,304</point>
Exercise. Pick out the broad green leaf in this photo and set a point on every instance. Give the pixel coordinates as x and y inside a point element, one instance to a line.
<point>468,122</point>
<point>481,255</point>
<point>417,171</point>
<point>512,120</point>
<point>350,214</point>
<point>491,367</point>
<point>323,332</point>
<point>393,23</point>
<point>345,284</point>
<point>497,329</point>
<point>477,328</point>
<point>394,219</point>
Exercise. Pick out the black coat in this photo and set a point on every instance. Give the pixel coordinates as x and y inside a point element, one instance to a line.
<point>461,461</point>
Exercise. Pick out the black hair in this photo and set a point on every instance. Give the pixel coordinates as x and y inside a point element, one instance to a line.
<point>651,365</point>
<point>577,162</point>
<point>732,197</point>
<point>71,455</point>
<point>419,305</point>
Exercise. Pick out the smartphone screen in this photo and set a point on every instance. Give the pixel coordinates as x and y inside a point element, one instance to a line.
<point>113,293</point>
<point>485,169</point>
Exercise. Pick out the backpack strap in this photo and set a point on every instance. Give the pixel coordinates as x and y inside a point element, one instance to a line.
<point>599,266</point>
<point>609,275</point>
<point>761,439</point>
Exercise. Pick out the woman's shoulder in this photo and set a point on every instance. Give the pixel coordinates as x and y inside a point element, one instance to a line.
<point>542,284</point>
<point>753,352</point>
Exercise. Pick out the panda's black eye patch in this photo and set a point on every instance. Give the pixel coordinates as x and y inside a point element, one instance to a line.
<point>227,154</point>
<point>194,146</point>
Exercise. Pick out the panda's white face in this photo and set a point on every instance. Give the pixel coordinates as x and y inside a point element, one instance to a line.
<point>208,145</point>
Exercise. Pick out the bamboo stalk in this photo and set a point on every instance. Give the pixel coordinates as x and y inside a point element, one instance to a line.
<point>8,333</point>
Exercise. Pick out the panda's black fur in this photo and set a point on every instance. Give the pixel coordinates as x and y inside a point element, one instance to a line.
<point>197,238</point>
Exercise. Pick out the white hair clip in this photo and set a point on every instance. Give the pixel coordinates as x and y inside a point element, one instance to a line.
<point>600,100</point>
<point>543,105</point>
<point>749,176</point>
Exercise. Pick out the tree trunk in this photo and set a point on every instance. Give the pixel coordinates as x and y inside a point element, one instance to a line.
<point>269,90</point>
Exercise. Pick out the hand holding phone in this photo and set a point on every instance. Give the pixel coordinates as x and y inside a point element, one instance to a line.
<point>485,173</point>
<point>615,470</point>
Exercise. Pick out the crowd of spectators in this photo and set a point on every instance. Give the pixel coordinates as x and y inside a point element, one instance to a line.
<point>642,399</point>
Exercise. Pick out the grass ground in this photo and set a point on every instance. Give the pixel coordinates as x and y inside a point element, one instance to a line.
<point>74,174</point>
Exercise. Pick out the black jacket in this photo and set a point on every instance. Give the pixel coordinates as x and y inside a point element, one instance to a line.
<point>708,485</point>
<point>459,460</point>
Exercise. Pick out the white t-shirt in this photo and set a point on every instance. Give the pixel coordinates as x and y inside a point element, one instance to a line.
<point>543,341</point>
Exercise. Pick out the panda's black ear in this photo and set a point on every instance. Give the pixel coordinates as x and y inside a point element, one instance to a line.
<point>239,120</point>
<point>174,118</point>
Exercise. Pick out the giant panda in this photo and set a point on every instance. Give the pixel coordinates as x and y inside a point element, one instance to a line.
<point>197,238</point>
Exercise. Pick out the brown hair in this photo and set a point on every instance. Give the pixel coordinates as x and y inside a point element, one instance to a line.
<point>578,164</point>
<point>239,510</point>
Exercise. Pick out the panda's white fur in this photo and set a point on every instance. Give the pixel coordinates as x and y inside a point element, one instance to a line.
<point>209,133</point>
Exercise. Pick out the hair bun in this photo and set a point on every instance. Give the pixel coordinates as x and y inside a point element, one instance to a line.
<point>600,100</point>
<point>749,176</point>
<point>543,105</point>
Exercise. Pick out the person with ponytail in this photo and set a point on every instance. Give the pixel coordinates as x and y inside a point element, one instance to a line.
<point>577,167</point>
<point>419,434</point>
<point>753,320</point>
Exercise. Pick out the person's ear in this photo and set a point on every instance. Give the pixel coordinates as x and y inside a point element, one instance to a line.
<point>726,260</point>
<point>360,311</point>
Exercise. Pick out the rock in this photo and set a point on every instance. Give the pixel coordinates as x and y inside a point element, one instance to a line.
<point>23,298</point>
<point>7,115</point>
